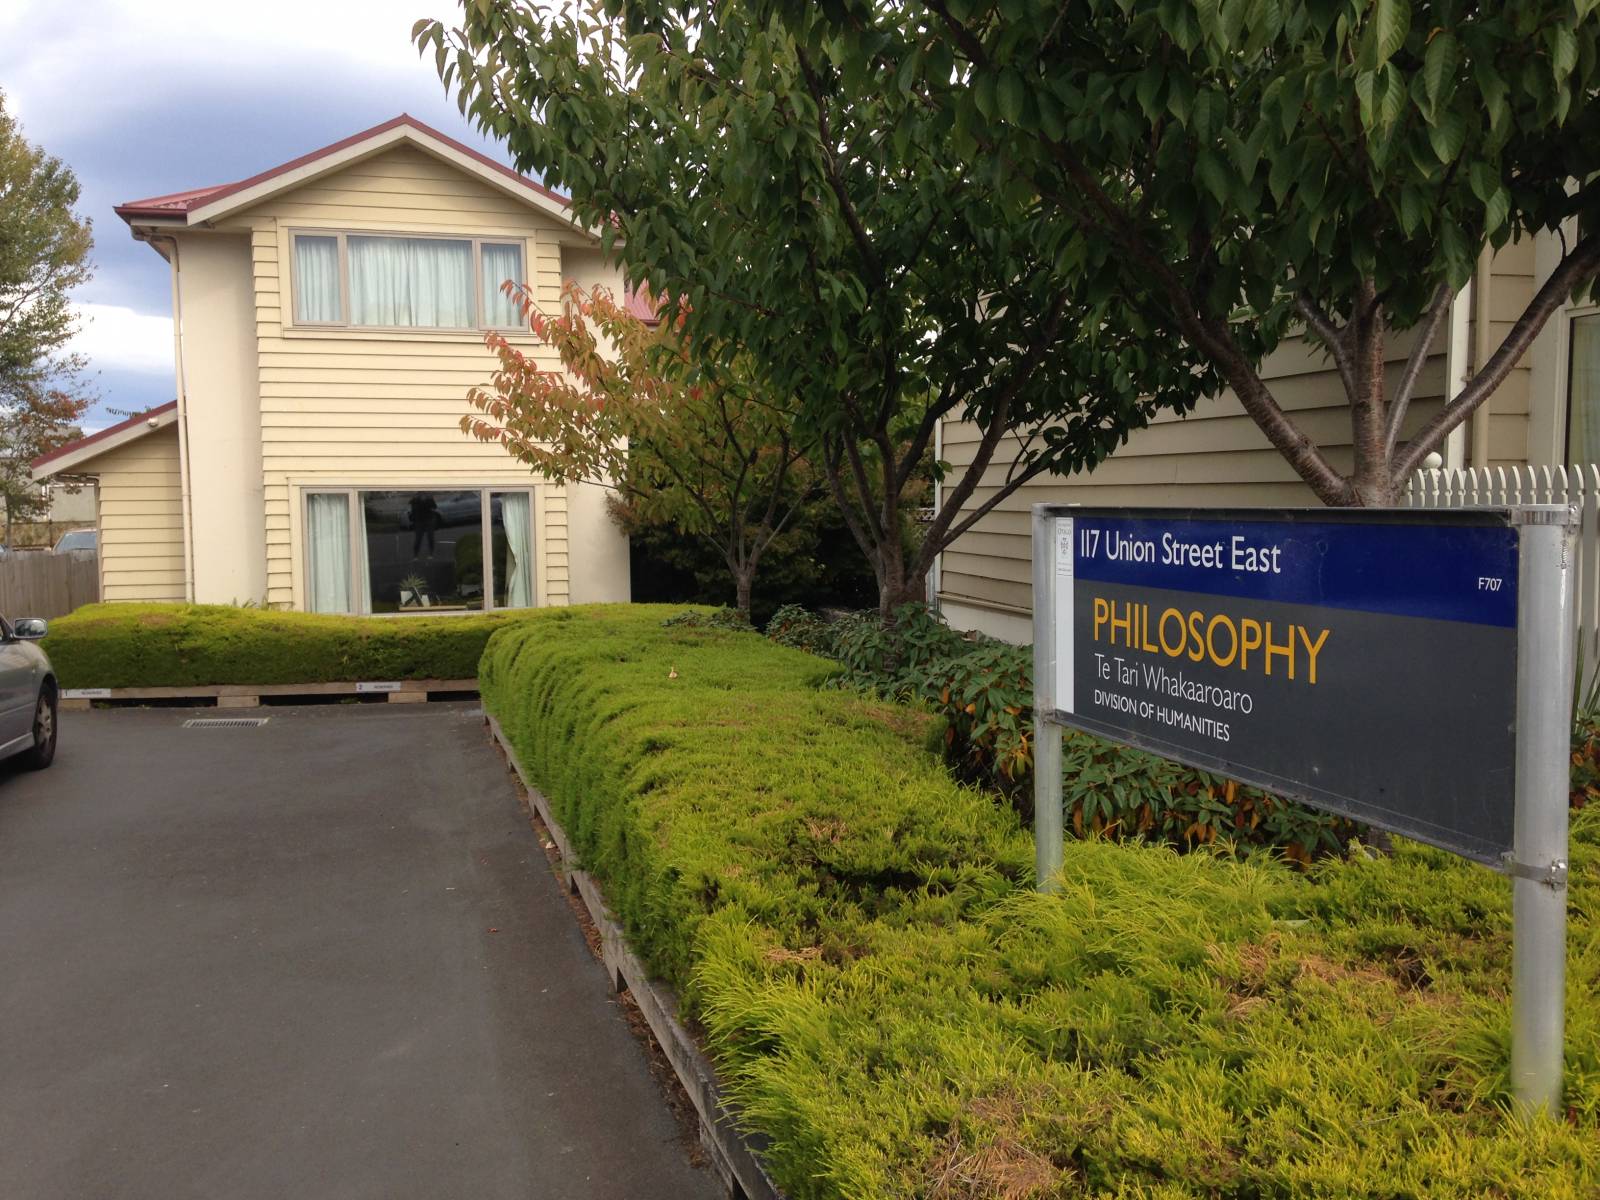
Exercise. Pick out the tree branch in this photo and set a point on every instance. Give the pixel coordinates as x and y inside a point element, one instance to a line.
<point>1437,312</point>
<point>1577,268</point>
<point>1322,325</point>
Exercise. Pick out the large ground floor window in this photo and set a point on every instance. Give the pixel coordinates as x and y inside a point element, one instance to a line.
<point>399,550</point>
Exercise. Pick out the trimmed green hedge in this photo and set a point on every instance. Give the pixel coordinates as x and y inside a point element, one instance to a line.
<point>898,1011</point>
<point>181,645</point>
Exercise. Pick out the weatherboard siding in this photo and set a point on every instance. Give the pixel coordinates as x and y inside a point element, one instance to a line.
<point>368,408</point>
<point>1214,457</point>
<point>1217,456</point>
<point>140,500</point>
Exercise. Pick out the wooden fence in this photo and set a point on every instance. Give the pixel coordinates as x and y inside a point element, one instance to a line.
<point>1576,485</point>
<point>38,584</point>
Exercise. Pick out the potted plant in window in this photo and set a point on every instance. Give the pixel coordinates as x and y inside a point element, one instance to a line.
<point>414,592</point>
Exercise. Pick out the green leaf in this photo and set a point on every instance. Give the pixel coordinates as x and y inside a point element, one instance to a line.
<point>1366,86</point>
<point>1411,210</point>
<point>1148,89</point>
<point>1496,210</point>
<point>983,94</point>
<point>1010,94</point>
<point>1448,136</point>
<point>1438,65</point>
<point>1483,180</point>
<point>1388,22</point>
<point>1213,172</point>
<point>1495,89</point>
<point>1282,175</point>
<point>1563,46</point>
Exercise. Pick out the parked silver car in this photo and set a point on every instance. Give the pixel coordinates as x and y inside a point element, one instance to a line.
<point>78,539</point>
<point>28,694</point>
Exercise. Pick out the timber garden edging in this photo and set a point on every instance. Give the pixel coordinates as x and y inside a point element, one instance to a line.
<point>735,1156</point>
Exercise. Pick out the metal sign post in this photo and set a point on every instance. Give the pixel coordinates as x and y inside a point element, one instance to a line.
<point>1405,668</point>
<point>1049,828</point>
<point>1538,862</point>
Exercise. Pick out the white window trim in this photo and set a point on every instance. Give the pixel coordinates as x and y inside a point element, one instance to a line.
<point>344,325</point>
<point>358,542</point>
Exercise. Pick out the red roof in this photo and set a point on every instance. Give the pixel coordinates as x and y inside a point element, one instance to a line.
<point>178,204</point>
<point>639,304</point>
<point>110,431</point>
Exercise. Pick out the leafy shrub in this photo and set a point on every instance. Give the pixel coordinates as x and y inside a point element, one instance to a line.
<point>186,645</point>
<point>1585,764</point>
<point>983,691</point>
<point>896,659</point>
<point>799,628</point>
<point>902,1016</point>
<point>717,618</point>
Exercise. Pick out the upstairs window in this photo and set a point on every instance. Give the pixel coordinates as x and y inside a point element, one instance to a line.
<point>386,281</point>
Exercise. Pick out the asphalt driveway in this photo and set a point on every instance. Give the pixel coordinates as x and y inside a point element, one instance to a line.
<point>322,958</point>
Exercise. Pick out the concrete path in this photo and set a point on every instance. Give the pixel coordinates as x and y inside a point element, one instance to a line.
<point>320,959</point>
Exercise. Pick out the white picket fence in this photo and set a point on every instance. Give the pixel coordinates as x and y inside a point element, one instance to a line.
<point>1576,485</point>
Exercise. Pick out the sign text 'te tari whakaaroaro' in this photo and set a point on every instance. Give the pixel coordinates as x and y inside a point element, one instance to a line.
<point>1366,665</point>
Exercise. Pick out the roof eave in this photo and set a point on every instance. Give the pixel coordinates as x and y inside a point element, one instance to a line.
<point>300,171</point>
<point>66,459</point>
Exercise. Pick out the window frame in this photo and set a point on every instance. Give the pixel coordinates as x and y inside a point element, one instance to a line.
<point>344,324</point>
<point>1570,317</point>
<point>358,542</point>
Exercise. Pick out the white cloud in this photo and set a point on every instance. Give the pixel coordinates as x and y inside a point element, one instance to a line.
<point>45,49</point>
<point>114,338</point>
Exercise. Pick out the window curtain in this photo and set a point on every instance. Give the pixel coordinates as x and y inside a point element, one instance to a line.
<point>1583,392</point>
<point>328,544</point>
<point>417,282</point>
<point>516,511</point>
<point>316,280</point>
<point>500,263</point>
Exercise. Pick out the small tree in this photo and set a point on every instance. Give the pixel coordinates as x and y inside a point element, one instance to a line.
<point>33,422</point>
<point>44,253</point>
<point>713,456</point>
<point>1255,166</point>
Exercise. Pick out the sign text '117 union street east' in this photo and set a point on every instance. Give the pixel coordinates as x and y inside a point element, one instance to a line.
<point>1366,665</point>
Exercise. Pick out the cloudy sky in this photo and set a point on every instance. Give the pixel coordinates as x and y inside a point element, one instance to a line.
<point>143,99</point>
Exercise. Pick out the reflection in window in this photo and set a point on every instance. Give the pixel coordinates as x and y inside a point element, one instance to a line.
<point>1583,392</point>
<point>406,550</point>
<point>424,549</point>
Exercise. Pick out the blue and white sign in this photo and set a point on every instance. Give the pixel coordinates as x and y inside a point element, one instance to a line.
<point>1366,663</point>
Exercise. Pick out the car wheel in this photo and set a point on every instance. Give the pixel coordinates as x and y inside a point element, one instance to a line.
<point>38,756</point>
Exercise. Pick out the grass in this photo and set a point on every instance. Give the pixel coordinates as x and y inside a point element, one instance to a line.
<point>181,645</point>
<point>903,1016</point>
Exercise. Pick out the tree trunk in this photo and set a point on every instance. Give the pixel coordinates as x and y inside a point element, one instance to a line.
<point>896,585</point>
<point>743,582</point>
<point>911,589</point>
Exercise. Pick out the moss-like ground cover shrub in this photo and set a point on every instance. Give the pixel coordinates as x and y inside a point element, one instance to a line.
<point>904,1017</point>
<point>184,645</point>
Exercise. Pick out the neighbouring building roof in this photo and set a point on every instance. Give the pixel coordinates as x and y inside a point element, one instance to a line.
<point>73,454</point>
<point>200,205</point>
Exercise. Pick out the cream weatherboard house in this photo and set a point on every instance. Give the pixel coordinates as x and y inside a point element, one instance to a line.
<point>1545,414</point>
<point>329,317</point>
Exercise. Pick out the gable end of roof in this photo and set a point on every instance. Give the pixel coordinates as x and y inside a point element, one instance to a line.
<point>183,207</point>
<point>63,458</point>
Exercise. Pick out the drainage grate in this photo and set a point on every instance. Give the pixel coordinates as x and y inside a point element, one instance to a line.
<point>226,722</point>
